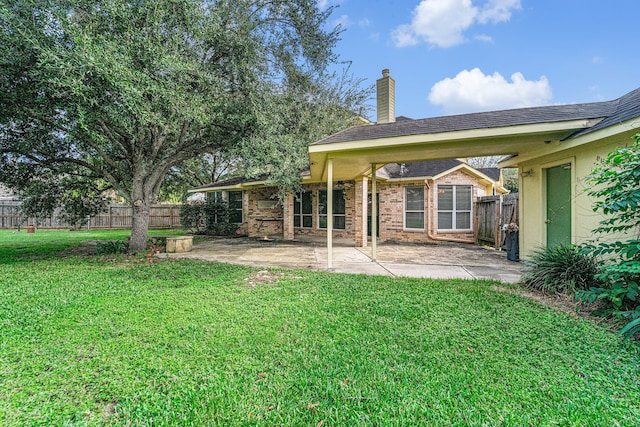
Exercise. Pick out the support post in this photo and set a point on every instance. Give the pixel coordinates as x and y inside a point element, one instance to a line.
<point>365,203</point>
<point>329,214</point>
<point>374,213</point>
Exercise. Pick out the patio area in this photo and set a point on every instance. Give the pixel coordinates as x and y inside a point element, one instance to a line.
<point>437,261</point>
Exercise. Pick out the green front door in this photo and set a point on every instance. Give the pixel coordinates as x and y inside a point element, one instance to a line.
<point>558,219</point>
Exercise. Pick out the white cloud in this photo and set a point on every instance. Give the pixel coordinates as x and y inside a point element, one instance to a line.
<point>403,36</point>
<point>472,91</point>
<point>484,38</point>
<point>597,59</point>
<point>343,21</point>
<point>364,23</point>
<point>497,10</point>
<point>322,4</point>
<point>443,22</point>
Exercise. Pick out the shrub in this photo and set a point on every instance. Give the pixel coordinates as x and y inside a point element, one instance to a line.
<point>210,217</point>
<point>193,217</point>
<point>616,183</point>
<point>561,269</point>
<point>113,247</point>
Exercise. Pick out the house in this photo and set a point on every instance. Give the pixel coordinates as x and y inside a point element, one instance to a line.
<point>6,193</point>
<point>554,148</point>
<point>418,202</point>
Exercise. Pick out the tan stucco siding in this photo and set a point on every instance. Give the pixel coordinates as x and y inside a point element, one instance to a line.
<point>533,192</point>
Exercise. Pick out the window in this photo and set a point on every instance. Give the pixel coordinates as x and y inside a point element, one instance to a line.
<point>302,210</point>
<point>454,207</point>
<point>215,197</point>
<point>414,208</point>
<point>339,209</point>
<point>216,207</point>
<point>235,207</point>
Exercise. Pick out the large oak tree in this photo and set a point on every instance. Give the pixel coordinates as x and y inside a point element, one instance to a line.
<point>115,94</point>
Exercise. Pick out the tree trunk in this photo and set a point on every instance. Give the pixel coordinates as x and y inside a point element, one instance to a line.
<point>140,227</point>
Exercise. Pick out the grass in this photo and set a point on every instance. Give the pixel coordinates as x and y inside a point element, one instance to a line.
<point>130,341</point>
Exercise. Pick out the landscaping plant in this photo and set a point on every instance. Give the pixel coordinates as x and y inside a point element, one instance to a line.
<point>617,186</point>
<point>561,269</point>
<point>112,247</point>
<point>210,217</point>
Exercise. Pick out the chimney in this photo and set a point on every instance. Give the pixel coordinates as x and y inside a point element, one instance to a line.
<point>386,97</point>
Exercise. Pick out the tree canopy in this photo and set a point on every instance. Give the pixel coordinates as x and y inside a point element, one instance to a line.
<point>114,94</point>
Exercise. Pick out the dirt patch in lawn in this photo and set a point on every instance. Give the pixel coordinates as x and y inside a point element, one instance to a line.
<point>563,303</point>
<point>85,249</point>
<point>265,277</point>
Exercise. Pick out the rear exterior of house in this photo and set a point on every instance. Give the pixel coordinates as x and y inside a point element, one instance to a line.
<point>553,147</point>
<point>417,202</point>
<point>554,191</point>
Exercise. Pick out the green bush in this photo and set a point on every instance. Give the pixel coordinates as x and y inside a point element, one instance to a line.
<point>112,247</point>
<point>616,183</point>
<point>561,269</point>
<point>193,217</point>
<point>210,217</point>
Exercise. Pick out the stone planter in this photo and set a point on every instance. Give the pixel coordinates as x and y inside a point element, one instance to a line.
<point>179,244</point>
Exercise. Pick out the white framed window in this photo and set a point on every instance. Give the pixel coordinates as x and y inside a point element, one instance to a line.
<point>414,208</point>
<point>303,210</point>
<point>454,207</point>
<point>216,201</point>
<point>339,209</point>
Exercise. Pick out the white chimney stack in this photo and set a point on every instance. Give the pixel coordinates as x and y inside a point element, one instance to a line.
<point>386,97</point>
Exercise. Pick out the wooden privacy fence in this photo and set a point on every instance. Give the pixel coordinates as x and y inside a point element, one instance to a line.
<point>492,213</point>
<point>115,216</point>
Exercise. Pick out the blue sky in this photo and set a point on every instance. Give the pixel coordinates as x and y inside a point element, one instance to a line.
<point>458,56</point>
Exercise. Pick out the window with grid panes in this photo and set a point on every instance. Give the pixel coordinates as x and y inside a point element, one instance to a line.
<point>454,207</point>
<point>235,207</point>
<point>339,209</point>
<point>414,208</point>
<point>303,210</point>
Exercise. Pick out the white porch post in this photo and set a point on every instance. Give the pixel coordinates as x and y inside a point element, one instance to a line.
<point>374,212</point>
<point>365,203</point>
<point>329,214</point>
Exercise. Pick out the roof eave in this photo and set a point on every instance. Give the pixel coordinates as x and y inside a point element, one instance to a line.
<point>240,186</point>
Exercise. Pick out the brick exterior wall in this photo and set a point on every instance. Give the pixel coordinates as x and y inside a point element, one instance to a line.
<point>350,202</point>
<point>391,212</point>
<point>262,222</point>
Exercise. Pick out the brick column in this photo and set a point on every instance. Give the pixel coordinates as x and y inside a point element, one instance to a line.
<point>360,214</point>
<point>287,217</point>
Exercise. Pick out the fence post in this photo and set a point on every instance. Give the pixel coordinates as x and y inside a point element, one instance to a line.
<point>497,236</point>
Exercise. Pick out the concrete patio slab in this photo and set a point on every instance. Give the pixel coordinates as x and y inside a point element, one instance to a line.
<point>437,261</point>
<point>427,271</point>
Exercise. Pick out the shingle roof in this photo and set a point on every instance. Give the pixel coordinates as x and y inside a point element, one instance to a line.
<point>420,169</point>
<point>493,173</point>
<point>430,168</point>
<point>626,107</point>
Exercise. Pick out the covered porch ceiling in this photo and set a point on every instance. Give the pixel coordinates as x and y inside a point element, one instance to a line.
<point>353,159</point>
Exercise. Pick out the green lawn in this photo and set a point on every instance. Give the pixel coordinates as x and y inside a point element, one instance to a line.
<point>113,340</point>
